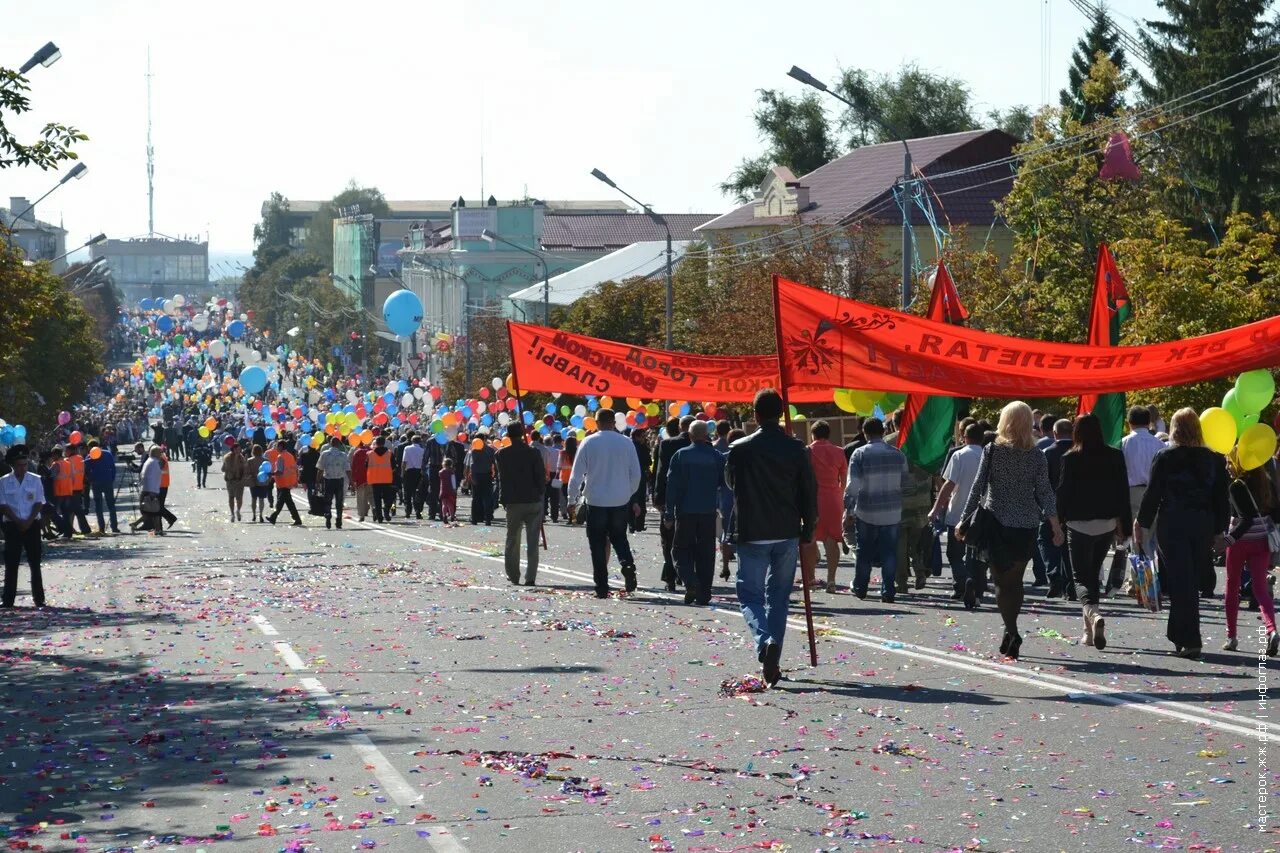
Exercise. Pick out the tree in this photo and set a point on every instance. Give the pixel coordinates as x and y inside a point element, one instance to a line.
<point>1228,156</point>
<point>56,140</point>
<point>320,229</point>
<point>271,237</point>
<point>912,103</point>
<point>798,137</point>
<point>1017,121</point>
<point>490,354</point>
<point>1100,38</point>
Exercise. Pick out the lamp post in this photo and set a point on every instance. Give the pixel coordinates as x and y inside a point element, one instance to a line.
<point>491,238</point>
<point>77,172</point>
<point>798,73</point>
<point>45,56</point>
<point>658,220</point>
<point>93,241</point>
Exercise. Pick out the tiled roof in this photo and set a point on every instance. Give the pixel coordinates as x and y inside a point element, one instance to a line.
<point>613,231</point>
<point>861,182</point>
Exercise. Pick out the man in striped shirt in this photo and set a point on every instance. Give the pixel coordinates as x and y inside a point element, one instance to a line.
<point>873,497</point>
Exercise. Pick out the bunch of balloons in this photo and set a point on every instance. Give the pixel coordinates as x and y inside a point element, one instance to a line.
<point>1233,427</point>
<point>864,403</point>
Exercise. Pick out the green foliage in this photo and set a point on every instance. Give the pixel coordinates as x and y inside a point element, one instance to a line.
<point>910,104</point>
<point>1017,121</point>
<point>56,140</point>
<point>797,135</point>
<point>1100,38</point>
<point>320,228</point>
<point>490,355</point>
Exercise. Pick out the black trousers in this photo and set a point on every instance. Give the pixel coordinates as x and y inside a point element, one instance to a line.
<point>431,486</point>
<point>668,537</point>
<point>15,543</point>
<point>694,547</point>
<point>202,476</point>
<point>1184,544</point>
<point>551,502</point>
<point>384,497</point>
<point>284,499</point>
<point>412,488</point>
<point>481,498</point>
<point>607,525</point>
<point>164,508</point>
<point>335,492</point>
<point>1087,556</point>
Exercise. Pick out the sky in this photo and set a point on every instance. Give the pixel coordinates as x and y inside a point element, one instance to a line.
<point>301,98</point>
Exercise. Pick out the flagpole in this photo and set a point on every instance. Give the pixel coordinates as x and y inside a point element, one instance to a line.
<point>786,415</point>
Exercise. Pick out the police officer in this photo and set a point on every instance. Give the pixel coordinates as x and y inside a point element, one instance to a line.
<point>21,501</point>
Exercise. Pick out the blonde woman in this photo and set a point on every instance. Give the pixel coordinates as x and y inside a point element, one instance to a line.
<point>1013,486</point>
<point>1187,499</point>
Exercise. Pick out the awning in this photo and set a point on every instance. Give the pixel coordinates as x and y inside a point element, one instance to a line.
<point>639,260</point>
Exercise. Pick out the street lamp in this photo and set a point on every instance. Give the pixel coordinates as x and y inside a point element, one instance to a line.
<point>45,56</point>
<point>76,172</point>
<point>491,238</point>
<point>798,73</point>
<point>659,220</point>
<point>93,241</point>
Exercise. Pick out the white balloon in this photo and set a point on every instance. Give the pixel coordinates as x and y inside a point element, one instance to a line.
<point>619,421</point>
<point>244,318</point>
<point>407,399</point>
<point>351,396</point>
<point>200,322</point>
<point>503,419</point>
<point>555,395</point>
<point>313,396</point>
<point>496,383</point>
<point>217,349</point>
<point>418,393</point>
<point>392,387</point>
<point>179,300</point>
<point>580,410</point>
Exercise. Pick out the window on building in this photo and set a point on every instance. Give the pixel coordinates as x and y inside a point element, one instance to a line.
<point>170,268</point>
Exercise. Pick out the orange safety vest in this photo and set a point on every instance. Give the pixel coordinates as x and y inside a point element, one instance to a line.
<point>62,479</point>
<point>566,467</point>
<point>164,471</point>
<point>379,468</point>
<point>77,473</point>
<point>287,471</point>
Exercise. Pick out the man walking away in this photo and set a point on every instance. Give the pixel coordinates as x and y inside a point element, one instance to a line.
<point>776,509</point>
<point>479,470</point>
<point>285,471</point>
<point>433,461</point>
<point>101,474</point>
<point>606,461</point>
<point>958,477</point>
<point>678,439</point>
<point>1140,447</point>
<point>873,497</point>
<point>379,474</point>
<point>524,486</point>
<point>334,467</point>
<point>21,501</point>
<point>201,458</point>
<point>360,480</point>
<point>640,438</point>
<point>411,476</point>
<point>693,486</point>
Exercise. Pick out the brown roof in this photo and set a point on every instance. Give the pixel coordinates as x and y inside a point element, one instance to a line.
<point>861,182</point>
<point>615,230</point>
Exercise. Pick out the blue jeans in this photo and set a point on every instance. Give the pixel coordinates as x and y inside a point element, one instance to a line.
<point>876,544</point>
<point>1054,557</point>
<point>100,492</point>
<point>766,574</point>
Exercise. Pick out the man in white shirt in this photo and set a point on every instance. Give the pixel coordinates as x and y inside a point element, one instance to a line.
<point>550,461</point>
<point>1140,447</point>
<point>959,475</point>
<point>21,501</point>
<point>607,461</point>
<point>411,476</point>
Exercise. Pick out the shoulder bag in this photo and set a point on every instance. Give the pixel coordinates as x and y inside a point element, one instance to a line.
<point>981,525</point>
<point>1273,533</point>
<point>149,502</point>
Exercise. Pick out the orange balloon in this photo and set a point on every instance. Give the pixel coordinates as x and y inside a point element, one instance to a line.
<point>75,437</point>
<point>95,453</point>
<point>211,424</point>
<point>589,423</point>
<point>477,444</point>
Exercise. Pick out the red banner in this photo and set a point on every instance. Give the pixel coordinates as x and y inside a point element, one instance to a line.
<point>841,343</point>
<point>552,360</point>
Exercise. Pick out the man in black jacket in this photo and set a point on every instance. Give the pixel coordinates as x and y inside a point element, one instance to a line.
<point>1056,558</point>
<point>678,439</point>
<point>776,508</point>
<point>524,478</point>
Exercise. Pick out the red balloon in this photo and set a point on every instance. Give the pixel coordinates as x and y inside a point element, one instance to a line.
<point>484,393</point>
<point>502,393</point>
<point>511,404</point>
<point>381,418</point>
<point>548,420</point>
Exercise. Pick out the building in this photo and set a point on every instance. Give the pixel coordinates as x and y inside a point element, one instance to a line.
<point>156,266</point>
<point>38,241</point>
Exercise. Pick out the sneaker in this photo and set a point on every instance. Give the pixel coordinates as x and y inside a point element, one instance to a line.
<point>1229,645</point>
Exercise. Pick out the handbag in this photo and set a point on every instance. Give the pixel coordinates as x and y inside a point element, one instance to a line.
<point>149,503</point>
<point>981,525</point>
<point>1273,534</point>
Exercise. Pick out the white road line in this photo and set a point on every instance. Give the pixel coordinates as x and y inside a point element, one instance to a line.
<point>263,625</point>
<point>1146,703</point>
<point>442,842</point>
<point>290,656</point>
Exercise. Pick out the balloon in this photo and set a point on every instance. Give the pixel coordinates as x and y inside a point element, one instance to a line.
<point>75,437</point>
<point>253,379</point>
<point>147,304</point>
<point>217,350</point>
<point>511,384</point>
<point>477,444</point>
<point>496,383</point>
<point>95,453</point>
<point>179,300</point>
<point>165,324</point>
<point>891,401</point>
<point>203,432</point>
<point>1257,445</point>
<point>211,423</point>
<point>606,402</point>
<point>1254,390</point>
<point>441,438</point>
<point>200,322</point>
<point>843,398</point>
<point>1219,429</point>
<point>402,312</point>
<point>64,418</point>
<point>235,329</point>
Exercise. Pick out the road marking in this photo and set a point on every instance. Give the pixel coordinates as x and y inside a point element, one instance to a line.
<point>442,842</point>
<point>290,656</point>
<point>1142,702</point>
<point>263,625</point>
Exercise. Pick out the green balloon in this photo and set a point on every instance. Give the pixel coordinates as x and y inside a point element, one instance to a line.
<point>1255,389</point>
<point>890,402</point>
<point>1231,402</point>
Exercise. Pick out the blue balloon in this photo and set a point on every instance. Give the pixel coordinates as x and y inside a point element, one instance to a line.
<point>576,420</point>
<point>592,404</point>
<point>441,438</point>
<point>305,425</point>
<point>19,434</point>
<point>391,410</point>
<point>263,477</point>
<point>551,408</point>
<point>270,432</point>
<point>402,312</point>
<point>235,329</point>
<point>264,468</point>
<point>685,409</point>
<point>565,433</point>
<point>147,304</point>
<point>6,434</point>
<point>528,417</point>
<point>388,397</point>
<point>486,420</point>
<point>395,423</point>
<point>403,386</point>
<point>253,379</point>
<point>165,324</point>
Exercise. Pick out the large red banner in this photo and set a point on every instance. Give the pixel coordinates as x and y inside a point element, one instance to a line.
<point>551,360</point>
<point>841,343</point>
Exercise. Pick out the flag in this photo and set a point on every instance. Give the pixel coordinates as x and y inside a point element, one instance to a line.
<point>1111,307</point>
<point>928,421</point>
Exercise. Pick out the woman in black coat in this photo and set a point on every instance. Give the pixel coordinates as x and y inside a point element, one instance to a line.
<point>1093,503</point>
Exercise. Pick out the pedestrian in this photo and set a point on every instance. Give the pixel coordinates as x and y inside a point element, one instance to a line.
<point>958,476</point>
<point>76,456</point>
<point>1057,560</point>
<point>873,496</point>
<point>607,468</point>
<point>694,476</point>
<point>567,454</point>
<point>433,461</point>
<point>411,460</point>
<point>100,472</point>
<point>284,472</point>
<point>1140,447</point>
<point>677,439</point>
<point>149,501</point>
<point>479,469</point>
<point>169,517</point>
<point>524,487</point>
<point>309,478</point>
<point>775,509</point>
<point>448,492</point>
<point>61,471</point>
<point>201,459</point>
<point>235,473</point>
<point>22,500</point>
<point>360,480</point>
<point>1093,503</point>
<point>334,467</point>
<point>1012,485</point>
<point>1253,509</point>
<point>831,470</point>
<point>640,438</point>
<point>381,480</point>
<point>1187,500</point>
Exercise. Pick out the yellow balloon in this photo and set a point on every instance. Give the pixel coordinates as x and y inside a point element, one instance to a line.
<point>652,409</point>
<point>1219,429</point>
<point>843,399</point>
<point>204,432</point>
<point>1257,445</point>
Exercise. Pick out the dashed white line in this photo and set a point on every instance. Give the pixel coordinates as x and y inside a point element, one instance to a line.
<point>290,656</point>
<point>263,625</point>
<point>1142,702</point>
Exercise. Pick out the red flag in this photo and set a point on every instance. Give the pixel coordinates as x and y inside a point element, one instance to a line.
<point>1110,306</point>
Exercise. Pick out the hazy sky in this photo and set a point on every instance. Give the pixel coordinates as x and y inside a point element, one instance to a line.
<point>302,97</point>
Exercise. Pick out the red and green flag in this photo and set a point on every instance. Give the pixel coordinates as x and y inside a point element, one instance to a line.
<point>928,422</point>
<point>1110,308</point>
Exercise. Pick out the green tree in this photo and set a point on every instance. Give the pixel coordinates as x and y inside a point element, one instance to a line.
<point>1229,156</point>
<point>490,355</point>
<point>1017,121</point>
<point>1100,38</point>
<point>55,142</point>
<point>913,102</point>
<point>271,237</point>
<point>797,134</point>
<point>320,229</point>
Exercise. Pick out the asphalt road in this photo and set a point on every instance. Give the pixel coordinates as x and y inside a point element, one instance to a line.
<point>269,688</point>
